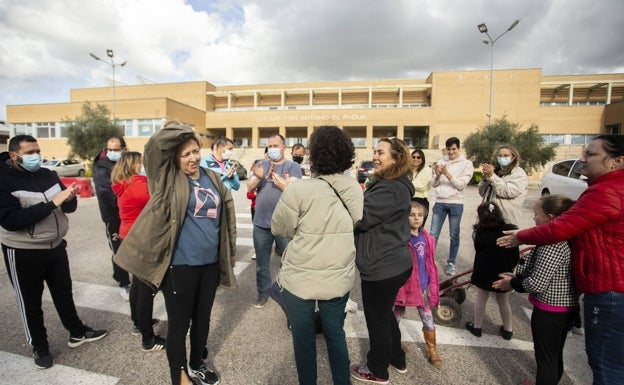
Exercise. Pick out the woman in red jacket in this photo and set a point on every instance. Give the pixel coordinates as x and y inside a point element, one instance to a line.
<point>595,225</point>
<point>132,195</point>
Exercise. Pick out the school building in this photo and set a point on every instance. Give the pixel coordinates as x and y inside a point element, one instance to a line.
<point>568,109</point>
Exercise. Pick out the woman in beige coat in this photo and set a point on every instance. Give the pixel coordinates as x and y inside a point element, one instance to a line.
<point>318,265</point>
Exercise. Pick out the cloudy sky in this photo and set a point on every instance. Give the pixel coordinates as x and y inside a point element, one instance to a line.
<point>45,45</point>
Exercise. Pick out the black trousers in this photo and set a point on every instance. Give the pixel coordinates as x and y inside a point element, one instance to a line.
<point>189,293</point>
<point>383,329</point>
<point>28,269</point>
<point>549,330</point>
<point>141,308</point>
<point>112,234</point>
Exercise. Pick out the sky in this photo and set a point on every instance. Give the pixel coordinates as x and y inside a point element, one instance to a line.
<point>45,45</point>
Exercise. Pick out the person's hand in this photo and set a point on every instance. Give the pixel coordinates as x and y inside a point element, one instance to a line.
<point>444,171</point>
<point>487,170</point>
<point>437,170</point>
<point>229,172</point>
<point>280,182</point>
<point>504,283</point>
<point>258,171</point>
<point>509,240</point>
<point>233,260</point>
<point>65,195</point>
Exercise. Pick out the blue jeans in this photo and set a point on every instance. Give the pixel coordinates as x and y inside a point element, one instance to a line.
<point>263,244</point>
<point>301,314</point>
<point>454,212</point>
<point>604,336</point>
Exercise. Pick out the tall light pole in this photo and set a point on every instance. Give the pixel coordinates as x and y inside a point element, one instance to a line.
<point>483,29</point>
<point>110,54</point>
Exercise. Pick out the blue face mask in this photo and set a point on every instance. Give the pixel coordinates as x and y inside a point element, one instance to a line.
<point>504,162</point>
<point>30,162</point>
<point>113,156</point>
<point>275,154</point>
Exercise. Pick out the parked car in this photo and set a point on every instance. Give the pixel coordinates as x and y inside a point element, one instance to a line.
<point>240,170</point>
<point>65,167</point>
<point>365,170</point>
<point>564,177</point>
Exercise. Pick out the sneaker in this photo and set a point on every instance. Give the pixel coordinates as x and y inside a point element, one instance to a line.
<point>124,292</point>
<point>450,269</point>
<point>43,359</point>
<point>253,257</point>
<point>505,333</point>
<point>361,373</point>
<point>577,331</point>
<point>261,301</point>
<point>400,370</point>
<point>475,331</point>
<point>205,375</point>
<point>89,335</point>
<point>158,343</point>
<point>137,332</point>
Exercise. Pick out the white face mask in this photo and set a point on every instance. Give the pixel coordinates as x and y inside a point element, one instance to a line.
<point>504,162</point>
<point>275,154</point>
<point>226,154</point>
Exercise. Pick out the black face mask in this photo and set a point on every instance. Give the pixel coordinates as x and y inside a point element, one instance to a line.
<point>298,159</point>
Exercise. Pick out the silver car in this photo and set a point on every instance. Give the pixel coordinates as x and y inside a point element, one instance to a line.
<point>65,167</point>
<point>564,177</point>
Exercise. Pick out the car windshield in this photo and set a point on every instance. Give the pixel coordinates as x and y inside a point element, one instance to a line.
<point>52,162</point>
<point>366,164</point>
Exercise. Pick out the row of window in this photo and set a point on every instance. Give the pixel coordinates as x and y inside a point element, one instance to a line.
<point>578,139</point>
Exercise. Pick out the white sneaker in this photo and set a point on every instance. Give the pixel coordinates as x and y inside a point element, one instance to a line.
<point>450,269</point>
<point>124,292</point>
<point>578,331</point>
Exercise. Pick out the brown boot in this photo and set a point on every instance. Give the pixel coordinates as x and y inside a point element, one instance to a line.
<point>430,340</point>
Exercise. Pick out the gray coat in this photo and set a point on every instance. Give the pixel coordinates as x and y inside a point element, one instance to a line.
<point>148,248</point>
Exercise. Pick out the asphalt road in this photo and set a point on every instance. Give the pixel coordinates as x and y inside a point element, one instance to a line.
<point>253,346</point>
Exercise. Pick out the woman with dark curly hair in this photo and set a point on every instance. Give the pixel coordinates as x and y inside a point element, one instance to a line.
<point>318,265</point>
<point>383,257</point>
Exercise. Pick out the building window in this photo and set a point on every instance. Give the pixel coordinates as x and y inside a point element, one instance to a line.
<point>582,139</point>
<point>147,127</point>
<point>553,138</point>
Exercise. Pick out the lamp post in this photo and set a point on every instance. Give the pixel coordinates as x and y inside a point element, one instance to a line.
<point>110,54</point>
<point>483,29</point>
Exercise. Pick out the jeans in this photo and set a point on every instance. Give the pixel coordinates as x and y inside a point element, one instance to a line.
<point>604,336</point>
<point>263,244</point>
<point>301,314</point>
<point>383,329</point>
<point>454,212</point>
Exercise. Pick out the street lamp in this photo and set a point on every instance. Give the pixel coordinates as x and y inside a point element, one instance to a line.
<point>483,29</point>
<point>110,54</point>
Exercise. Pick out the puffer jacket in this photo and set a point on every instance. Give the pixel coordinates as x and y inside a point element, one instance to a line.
<point>508,192</point>
<point>28,217</point>
<point>410,294</point>
<point>148,249</point>
<point>319,261</point>
<point>595,224</point>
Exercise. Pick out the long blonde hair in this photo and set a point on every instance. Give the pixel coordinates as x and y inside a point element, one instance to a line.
<point>128,165</point>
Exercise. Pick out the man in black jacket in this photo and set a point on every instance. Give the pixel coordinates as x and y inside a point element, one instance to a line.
<point>33,203</point>
<point>107,200</point>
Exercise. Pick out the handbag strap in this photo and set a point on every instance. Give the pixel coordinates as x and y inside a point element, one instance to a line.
<point>336,192</point>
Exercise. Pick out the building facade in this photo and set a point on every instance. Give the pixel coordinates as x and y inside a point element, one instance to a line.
<point>568,109</point>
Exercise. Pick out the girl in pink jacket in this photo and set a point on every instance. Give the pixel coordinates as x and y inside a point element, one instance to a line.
<point>421,289</point>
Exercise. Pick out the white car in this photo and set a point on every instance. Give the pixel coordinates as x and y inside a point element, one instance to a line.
<point>564,177</point>
<point>65,167</point>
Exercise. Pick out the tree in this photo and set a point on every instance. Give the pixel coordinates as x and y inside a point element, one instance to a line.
<point>88,133</point>
<point>535,154</point>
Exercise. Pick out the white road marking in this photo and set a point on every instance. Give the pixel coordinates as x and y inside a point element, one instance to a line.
<point>20,370</point>
<point>411,331</point>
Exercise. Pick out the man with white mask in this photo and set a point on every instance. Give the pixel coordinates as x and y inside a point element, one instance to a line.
<point>107,200</point>
<point>219,162</point>
<point>270,180</point>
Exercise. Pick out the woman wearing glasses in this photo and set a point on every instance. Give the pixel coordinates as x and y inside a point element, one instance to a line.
<point>422,178</point>
<point>184,242</point>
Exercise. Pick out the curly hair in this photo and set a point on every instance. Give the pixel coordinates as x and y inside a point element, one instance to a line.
<point>403,160</point>
<point>331,150</point>
<point>128,165</point>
